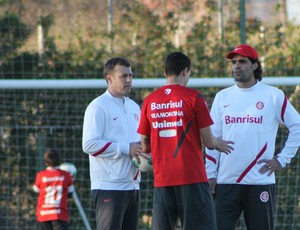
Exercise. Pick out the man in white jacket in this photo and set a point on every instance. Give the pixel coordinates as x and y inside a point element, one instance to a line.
<point>249,114</point>
<point>110,139</point>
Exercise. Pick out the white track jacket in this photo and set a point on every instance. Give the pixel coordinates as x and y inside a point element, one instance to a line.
<point>109,125</point>
<point>250,117</point>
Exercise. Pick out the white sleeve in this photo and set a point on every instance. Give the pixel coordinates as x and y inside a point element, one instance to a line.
<point>291,119</point>
<point>71,189</point>
<point>211,163</point>
<point>212,156</point>
<point>93,129</point>
<point>35,189</point>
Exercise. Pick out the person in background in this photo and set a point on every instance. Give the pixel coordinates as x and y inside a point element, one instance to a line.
<point>110,139</point>
<point>174,120</point>
<point>249,113</point>
<point>54,186</point>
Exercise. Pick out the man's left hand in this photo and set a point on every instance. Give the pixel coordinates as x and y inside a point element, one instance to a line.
<point>270,166</point>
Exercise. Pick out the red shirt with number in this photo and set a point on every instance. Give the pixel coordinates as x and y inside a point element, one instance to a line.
<point>172,116</point>
<point>53,186</point>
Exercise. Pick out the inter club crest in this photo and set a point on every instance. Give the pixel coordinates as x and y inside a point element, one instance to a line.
<point>167,91</point>
<point>264,196</point>
<point>260,105</point>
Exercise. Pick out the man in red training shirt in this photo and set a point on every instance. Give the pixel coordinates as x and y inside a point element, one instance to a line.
<point>174,120</point>
<point>54,187</point>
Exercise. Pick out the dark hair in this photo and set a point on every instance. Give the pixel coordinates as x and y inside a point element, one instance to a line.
<point>258,73</point>
<point>110,64</point>
<point>52,157</point>
<point>176,62</point>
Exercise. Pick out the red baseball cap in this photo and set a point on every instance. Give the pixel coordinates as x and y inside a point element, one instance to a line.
<point>244,50</point>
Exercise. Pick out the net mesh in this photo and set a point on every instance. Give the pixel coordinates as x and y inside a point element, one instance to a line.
<point>33,120</point>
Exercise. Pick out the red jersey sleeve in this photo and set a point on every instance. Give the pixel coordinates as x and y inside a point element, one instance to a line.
<point>202,113</point>
<point>144,126</point>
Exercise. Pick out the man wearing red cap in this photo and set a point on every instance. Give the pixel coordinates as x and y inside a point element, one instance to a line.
<point>249,113</point>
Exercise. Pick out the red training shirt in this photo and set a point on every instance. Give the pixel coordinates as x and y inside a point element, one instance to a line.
<point>53,186</point>
<point>172,116</point>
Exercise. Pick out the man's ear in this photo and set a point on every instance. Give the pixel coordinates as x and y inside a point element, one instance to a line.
<point>108,78</point>
<point>254,66</point>
<point>186,71</point>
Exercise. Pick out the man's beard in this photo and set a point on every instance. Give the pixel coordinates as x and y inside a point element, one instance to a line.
<point>240,79</point>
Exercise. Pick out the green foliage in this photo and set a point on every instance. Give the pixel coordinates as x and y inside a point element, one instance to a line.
<point>148,41</point>
<point>145,38</point>
<point>13,33</point>
<point>24,65</point>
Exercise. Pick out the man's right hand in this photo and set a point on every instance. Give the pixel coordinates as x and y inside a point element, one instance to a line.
<point>212,183</point>
<point>135,150</point>
<point>224,146</point>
